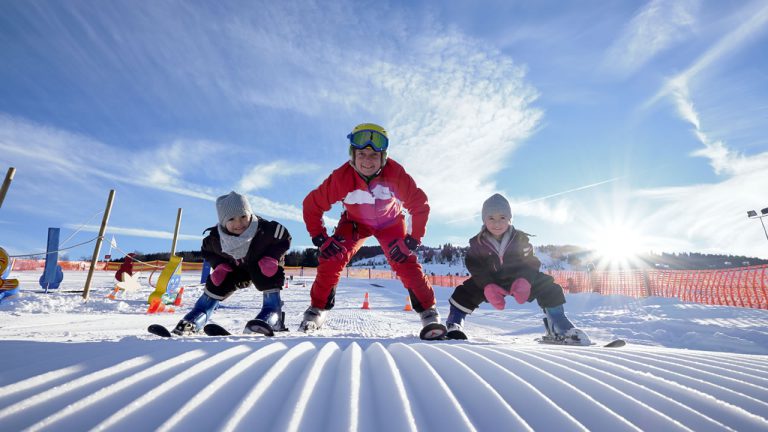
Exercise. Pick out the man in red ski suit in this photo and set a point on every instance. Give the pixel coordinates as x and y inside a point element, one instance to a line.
<point>373,190</point>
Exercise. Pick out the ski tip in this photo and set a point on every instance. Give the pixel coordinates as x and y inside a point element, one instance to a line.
<point>212,329</point>
<point>159,330</point>
<point>456,335</point>
<point>258,326</point>
<point>434,331</point>
<point>615,343</point>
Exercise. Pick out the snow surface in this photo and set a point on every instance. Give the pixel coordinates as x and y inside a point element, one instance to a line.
<point>74,365</point>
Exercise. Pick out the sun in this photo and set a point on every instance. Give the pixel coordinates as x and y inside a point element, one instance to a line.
<point>617,246</point>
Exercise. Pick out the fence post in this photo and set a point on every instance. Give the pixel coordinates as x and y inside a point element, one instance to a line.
<point>97,248</point>
<point>175,233</point>
<point>6,184</point>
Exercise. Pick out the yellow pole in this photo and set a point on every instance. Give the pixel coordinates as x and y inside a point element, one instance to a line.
<point>176,233</point>
<point>97,248</point>
<point>6,184</point>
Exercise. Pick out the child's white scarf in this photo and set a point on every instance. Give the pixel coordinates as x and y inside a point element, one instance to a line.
<point>237,246</point>
<point>500,246</point>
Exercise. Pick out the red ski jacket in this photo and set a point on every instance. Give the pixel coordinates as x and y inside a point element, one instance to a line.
<point>377,204</point>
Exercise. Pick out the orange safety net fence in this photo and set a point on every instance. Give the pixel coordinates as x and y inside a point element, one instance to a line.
<point>742,286</point>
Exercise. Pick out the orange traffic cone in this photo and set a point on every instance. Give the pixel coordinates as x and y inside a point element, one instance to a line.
<point>155,307</point>
<point>366,305</point>
<point>407,304</point>
<point>177,301</point>
<point>113,294</point>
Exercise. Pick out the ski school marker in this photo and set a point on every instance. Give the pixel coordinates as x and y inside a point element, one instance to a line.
<point>52,275</point>
<point>8,287</point>
<point>169,281</point>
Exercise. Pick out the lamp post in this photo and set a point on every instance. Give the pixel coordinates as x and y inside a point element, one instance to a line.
<point>753,215</point>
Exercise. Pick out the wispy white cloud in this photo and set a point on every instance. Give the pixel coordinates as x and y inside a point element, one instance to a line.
<point>755,17</point>
<point>263,206</point>
<point>656,27</point>
<point>264,175</point>
<point>70,162</point>
<point>457,112</point>
<point>455,106</point>
<point>133,232</point>
<point>713,216</point>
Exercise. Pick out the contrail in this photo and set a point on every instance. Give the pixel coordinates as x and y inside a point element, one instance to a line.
<point>513,204</point>
<point>570,190</point>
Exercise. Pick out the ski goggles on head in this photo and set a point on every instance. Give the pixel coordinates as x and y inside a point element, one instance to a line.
<point>368,138</point>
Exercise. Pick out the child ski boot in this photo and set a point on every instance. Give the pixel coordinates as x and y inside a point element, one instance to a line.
<point>455,324</point>
<point>431,329</point>
<point>560,329</point>
<point>195,320</point>
<point>271,318</point>
<point>313,319</point>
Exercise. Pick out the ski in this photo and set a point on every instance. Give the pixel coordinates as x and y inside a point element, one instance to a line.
<point>212,329</point>
<point>456,335</point>
<point>616,343</point>
<point>253,327</point>
<point>159,330</point>
<point>433,331</point>
<point>257,326</point>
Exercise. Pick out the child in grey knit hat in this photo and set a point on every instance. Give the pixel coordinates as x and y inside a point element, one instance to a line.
<point>501,263</point>
<point>242,248</point>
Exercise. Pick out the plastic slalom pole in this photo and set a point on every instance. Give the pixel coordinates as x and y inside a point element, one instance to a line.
<point>176,233</point>
<point>6,184</point>
<point>99,239</point>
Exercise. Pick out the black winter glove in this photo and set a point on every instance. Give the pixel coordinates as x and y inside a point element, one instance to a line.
<point>401,249</point>
<point>411,242</point>
<point>330,247</point>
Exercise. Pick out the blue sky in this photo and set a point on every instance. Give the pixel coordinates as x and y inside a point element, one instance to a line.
<point>616,125</point>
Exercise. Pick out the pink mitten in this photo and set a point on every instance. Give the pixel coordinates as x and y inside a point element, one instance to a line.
<point>268,266</point>
<point>521,289</point>
<point>219,273</point>
<point>495,295</point>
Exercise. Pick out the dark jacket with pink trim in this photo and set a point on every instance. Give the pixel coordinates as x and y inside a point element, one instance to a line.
<point>486,266</point>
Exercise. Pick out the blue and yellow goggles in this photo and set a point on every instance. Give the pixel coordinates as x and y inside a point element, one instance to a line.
<point>368,138</point>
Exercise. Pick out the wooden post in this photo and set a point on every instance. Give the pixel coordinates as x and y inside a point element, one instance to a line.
<point>175,234</point>
<point>6,184</point>
<point>97,248</point>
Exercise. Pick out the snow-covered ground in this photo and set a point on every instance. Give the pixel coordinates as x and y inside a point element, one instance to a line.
<point>73,365</point>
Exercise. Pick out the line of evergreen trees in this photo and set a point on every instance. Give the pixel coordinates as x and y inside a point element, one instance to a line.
<point>576,257</point>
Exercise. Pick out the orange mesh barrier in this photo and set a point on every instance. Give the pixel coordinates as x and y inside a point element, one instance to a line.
<point>25,265</point>
<point>447,280</point>
<point>742,287</point>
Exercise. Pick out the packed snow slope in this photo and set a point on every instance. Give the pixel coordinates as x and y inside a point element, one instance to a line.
<point>74,365</point>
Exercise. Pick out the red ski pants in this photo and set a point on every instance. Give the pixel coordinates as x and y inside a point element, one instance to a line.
<point>353,236</point>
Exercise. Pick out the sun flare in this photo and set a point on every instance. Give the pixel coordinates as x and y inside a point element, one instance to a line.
<point>617,246</point>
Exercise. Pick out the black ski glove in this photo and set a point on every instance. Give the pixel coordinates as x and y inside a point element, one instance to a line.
<point>401,249</point>
<point>330,247</point>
